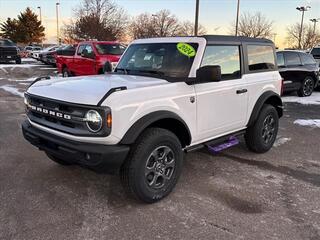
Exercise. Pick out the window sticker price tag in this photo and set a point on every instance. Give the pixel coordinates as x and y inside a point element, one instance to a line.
<point>186,49</point>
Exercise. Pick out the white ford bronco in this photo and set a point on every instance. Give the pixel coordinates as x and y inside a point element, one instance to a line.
<point>166,97</point>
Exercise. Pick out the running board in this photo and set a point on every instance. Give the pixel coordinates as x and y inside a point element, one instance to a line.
<point>227,141</point>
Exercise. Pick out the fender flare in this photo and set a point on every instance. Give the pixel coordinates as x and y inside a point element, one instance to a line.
<point>267,97</point>
<point>140,125</point>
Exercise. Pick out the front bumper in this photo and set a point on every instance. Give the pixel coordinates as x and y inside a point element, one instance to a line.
<point>100,158</point>
<point>9,57</point>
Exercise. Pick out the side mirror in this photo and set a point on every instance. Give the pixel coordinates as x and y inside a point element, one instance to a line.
<point>107,67</point>
<point>210,73</point>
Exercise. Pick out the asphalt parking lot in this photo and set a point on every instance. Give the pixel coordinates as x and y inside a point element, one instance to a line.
<point>232,195</point>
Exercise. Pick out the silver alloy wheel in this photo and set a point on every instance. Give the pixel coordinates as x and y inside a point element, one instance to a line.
<point>268,129</point>
<point>307,87</point>
<point>159,167</point>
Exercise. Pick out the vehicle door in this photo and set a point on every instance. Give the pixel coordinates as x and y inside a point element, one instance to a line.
<point>294,73</point>
<point>75,66</point>
<point>88,62</point>
<point>222,106</point>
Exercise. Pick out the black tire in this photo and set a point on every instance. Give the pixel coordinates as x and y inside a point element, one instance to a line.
<point>18,61</point>
<point>261,136</point>
<point>307,87</point>
<point>66,72</point>
<point>59,160</point>
<point>141,173</point>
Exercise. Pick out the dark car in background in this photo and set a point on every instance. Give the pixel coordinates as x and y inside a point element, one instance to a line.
<point>315,52</point>
<point>9,51</point>
<point>299,71</point>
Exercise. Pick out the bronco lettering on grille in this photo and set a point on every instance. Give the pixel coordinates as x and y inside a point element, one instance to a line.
<point>50,112</point>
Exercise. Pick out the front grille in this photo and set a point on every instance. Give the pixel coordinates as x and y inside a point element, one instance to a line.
<point>70,119</point>
<point>8,51</point>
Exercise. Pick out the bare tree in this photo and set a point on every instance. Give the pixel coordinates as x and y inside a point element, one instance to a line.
<point>187,29</point>
<point>254,25</point>
<point>309,37</point>
<point>160,24</point>
<point>97,19</point>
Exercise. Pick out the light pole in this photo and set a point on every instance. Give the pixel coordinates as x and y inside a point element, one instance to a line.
<point>196,22</point>
<point>302,9</point>
<point>237,18</point>
<point>314,20</point>
<point>57,16</point>
<point>40,14</point>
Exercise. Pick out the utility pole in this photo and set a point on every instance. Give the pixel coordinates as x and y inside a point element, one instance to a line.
<point>237,18</point>
<point>40,16</point>
<point>302,9</point>
<point>314,20</point>
<point>196,23</point>
<point>57,16</point>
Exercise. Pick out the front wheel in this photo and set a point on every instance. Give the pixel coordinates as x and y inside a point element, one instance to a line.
<point>307,87</point>
<point>154,165</point>
<point>261,136</point>
<point>66,72</point>
<point>18,61</point>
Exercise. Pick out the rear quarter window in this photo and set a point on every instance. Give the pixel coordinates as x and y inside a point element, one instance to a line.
<point>292,59</point>
<point>260,58</point>
<point>307,59</point>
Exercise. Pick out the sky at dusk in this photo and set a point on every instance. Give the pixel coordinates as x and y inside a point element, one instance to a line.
<point>216,15</point>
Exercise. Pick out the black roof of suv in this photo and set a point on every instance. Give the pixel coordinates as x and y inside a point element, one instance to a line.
<point>235,39</point>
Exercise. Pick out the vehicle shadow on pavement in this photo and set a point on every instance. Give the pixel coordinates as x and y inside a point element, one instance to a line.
<point>311,178</point>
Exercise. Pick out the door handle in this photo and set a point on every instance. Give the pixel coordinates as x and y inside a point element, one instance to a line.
<point>240,91</point>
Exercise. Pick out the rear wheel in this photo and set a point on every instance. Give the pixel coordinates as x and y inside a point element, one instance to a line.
<point>261,136</point>
<point>66,72</point>
<point>307,87</point>
<point>58,160</point>
<point>154,165</point>
<point>18,61</point>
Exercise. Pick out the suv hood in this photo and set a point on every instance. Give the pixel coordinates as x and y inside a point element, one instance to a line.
<point>88,90</point>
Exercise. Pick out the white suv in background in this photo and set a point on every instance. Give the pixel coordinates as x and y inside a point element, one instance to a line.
<point>167,96</point>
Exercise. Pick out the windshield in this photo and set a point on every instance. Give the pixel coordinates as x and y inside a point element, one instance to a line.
<point>165,60</point>
<point>315,51</point>
<point>110,49</point>
<point>6,43</point>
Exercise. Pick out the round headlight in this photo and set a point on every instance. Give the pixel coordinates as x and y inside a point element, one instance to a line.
<point>93,121</point>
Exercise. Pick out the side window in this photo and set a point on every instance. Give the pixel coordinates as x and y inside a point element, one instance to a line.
<point>80,49</point>
<point>260,58</point>
<point>292,59</point>
<point>227,57</point>
<point>280,59</point>
<point>89,49</point>
<point>307,59</point>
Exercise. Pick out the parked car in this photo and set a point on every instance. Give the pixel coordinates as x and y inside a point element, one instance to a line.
<point>45,55</point>
<point>9,51</point>
<point>315,52</point>
<point>299,71</point>
<point>166,96</point>
<point>67,50</point>
<point>28,50</point>
<point>90,58</point>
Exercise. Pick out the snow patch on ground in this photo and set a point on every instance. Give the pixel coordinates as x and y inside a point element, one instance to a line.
<point>308,122</point>
<point>22,80</point>
<point>28,60</point>
<point>280,141</point>
<point>12,90</point>
<point>314,99</point>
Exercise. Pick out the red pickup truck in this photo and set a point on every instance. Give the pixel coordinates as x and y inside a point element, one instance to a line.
<point>90,58</point>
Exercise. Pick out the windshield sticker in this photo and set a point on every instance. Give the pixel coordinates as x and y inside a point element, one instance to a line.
<point>186,49</point>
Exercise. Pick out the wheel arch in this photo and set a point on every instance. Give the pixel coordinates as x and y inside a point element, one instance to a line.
<point>268,97</point>
<point>161,119</point>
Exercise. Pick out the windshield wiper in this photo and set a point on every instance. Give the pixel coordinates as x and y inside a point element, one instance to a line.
<point>159,73</point>
<point>126,71</point>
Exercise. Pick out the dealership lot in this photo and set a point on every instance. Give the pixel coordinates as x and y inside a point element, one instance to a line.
<point>233,195</point>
